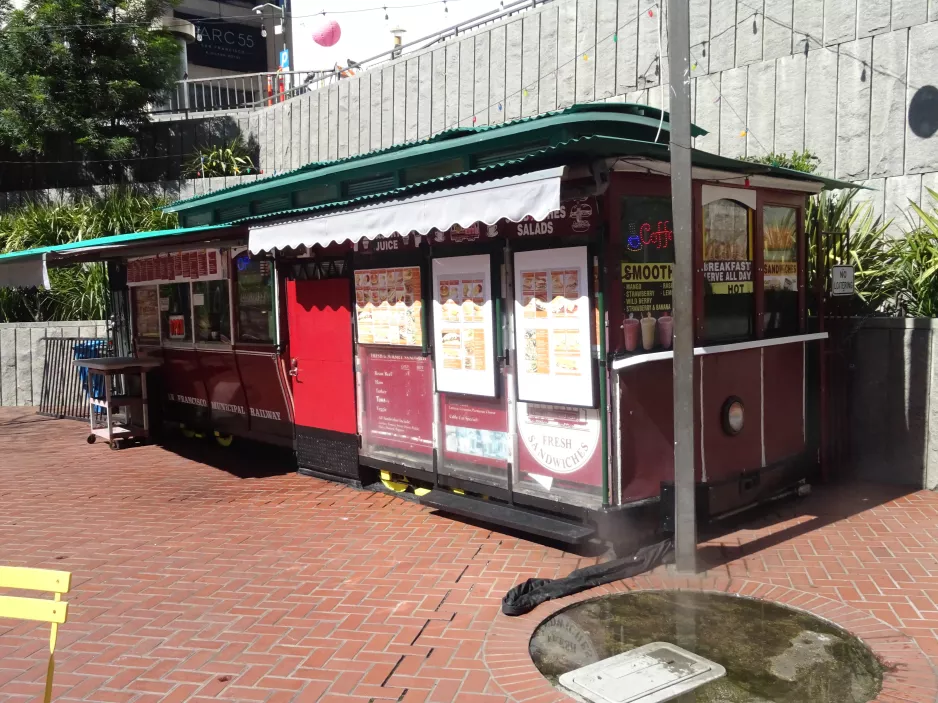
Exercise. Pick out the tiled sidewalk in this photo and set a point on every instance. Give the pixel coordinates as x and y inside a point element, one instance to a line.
<point>193,582</point>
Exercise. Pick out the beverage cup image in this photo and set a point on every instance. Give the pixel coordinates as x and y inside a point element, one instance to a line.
<point>648,333</point>
<point>665,330</point>
<point>631,329</point>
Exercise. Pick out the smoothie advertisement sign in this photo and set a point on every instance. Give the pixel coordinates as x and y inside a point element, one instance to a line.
<point>647,274</point>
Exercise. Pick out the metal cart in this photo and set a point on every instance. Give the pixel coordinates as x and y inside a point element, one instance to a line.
<point>125,415</point>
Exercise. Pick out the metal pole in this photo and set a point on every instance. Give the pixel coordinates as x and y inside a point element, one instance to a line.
<point>685,518</point>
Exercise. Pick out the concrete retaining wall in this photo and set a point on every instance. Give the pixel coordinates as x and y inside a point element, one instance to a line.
<point>22,355</point>
<point>836,77</point>
<point>891,400</point>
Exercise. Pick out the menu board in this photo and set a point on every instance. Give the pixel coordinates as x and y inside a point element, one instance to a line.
<point>202,264</point>
<point>463,336</point>
<point>388,306</point>
<point>398,400</point>
<point>147,312</point>
<point>552,325</point>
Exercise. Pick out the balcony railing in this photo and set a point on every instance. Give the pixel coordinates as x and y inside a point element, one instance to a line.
<point>248,91</point>
<point>251,91</point>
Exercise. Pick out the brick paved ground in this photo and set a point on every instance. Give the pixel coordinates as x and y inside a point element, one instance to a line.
<point>192,582</point>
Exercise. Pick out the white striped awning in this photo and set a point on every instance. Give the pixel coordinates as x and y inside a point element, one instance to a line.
<point>535,194</point>
<point>31,272</point>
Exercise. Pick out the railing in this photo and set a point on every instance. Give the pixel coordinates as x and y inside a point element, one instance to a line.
<point>66,388</point>
<point>252,91</point>
<point>248,91</point>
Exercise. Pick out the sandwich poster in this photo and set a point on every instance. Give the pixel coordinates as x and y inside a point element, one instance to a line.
<point>387,306</point>
<point>552,324</point>
<point>463,333</point>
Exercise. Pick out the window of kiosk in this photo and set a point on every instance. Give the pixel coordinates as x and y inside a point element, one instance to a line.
<point>396,377</point>
<point>212,311</point>
<point>780,265</point>
<point>257,322</point>
<point>146,314</point>
<point>647,269</point>
<point>175,312</point>
<point>729,302</point>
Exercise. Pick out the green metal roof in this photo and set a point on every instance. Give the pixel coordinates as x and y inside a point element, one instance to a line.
<point>105,242</point>
<point>592,131</point>
<point>581,133</point>
<point>641,120</point>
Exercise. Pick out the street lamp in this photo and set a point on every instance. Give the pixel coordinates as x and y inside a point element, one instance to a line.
<point>259,10</point>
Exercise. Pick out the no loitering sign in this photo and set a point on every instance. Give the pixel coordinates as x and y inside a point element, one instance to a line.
<point>842,281</point>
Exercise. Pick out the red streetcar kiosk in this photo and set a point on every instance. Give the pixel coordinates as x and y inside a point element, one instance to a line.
<point>485,316</point>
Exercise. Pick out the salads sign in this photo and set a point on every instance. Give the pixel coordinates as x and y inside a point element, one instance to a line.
<point>578,216</point>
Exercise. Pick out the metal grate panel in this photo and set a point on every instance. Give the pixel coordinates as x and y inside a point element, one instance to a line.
<point>66,388</point>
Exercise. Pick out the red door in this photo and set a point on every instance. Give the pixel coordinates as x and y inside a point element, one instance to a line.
<point>320,317</point>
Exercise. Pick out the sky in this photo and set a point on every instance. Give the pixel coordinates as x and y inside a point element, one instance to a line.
<point>366,33</point>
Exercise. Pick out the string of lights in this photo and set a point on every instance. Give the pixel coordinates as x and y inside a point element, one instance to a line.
<point>122,26</point>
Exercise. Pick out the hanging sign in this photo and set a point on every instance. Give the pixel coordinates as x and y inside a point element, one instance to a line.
<point>552,326</point>
<point>388,307</point>
<point>463,334</point>
<point>579,216</point>
<point>197,265</point>
<point>842,281</point>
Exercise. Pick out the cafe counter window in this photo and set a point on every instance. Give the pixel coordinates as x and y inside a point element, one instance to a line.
<point>147,313</point>
<point>729,304</point>
<point>780,231</point>
<point>212,311</point>
<point>257,322</point>
<point>175,312</point>
<point>647,270</point>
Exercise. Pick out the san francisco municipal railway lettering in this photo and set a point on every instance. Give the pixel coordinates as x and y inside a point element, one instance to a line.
<point>265,414</point>
<point>224,407</point>
<point>188,400</point>
<point>228,408</point>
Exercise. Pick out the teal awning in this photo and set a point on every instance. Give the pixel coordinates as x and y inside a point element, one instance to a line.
<point>28,268</point>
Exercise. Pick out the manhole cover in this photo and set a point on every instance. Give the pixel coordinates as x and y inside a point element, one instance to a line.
<point>654,673</point>
<point>771,654</point>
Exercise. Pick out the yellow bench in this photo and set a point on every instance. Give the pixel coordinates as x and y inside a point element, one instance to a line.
<point>37,609</point>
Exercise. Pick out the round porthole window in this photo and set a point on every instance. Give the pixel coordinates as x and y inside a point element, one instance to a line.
<point>734,416</point>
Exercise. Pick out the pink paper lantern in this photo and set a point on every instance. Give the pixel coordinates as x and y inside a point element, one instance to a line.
<point>328,34</point>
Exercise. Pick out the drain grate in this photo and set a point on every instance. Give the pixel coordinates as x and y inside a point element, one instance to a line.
<point>653,673</point>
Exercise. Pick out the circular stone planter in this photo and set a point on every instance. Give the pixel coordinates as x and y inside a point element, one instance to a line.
<point>772,654</point>
<point>907,673</point>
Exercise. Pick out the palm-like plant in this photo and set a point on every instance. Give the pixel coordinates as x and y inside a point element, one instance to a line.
<point>231,159</point>
<point>78,292</point>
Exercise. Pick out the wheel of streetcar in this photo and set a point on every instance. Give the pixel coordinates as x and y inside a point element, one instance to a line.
<point>224,440</point>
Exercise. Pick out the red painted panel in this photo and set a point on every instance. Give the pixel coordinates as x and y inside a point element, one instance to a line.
<point>725,375</point>
<point>784,402</point>
<point>265,393</point>
<point>183,378</point>
<point>321,342</point>
<point>226,396</point>
<point>647,429</point>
